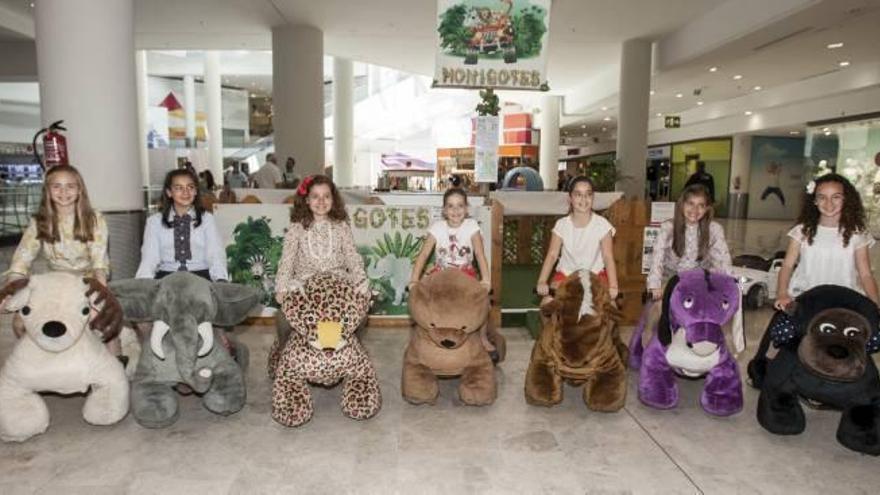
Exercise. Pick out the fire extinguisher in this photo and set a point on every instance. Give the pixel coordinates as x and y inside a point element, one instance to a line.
<point>54,146</point>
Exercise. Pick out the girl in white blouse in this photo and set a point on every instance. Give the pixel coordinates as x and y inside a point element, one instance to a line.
<point>829,244</point>
<point>182,236</point>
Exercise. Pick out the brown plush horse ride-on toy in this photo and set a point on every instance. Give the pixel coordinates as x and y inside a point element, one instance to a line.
<point>580,343</point>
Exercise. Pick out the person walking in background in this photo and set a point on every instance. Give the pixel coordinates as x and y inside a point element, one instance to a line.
<point>704,178</point>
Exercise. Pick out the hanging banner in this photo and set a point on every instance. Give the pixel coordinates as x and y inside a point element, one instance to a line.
<point>492,44</point>
<point>486,149</point>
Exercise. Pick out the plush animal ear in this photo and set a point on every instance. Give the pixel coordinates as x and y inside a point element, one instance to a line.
<point>234,301</point>
<point>418,303</point>
<point>136,295</point>
<point>664,332</point>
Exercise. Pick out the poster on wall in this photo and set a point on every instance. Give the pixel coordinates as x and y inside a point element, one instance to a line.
<point>486,149</point>
<point>777,179</point>
<point>492,43</point>
<point>388,239</point>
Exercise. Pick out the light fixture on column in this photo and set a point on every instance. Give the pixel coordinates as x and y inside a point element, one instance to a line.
<point>757,88</point>
<point>713,69</point>
<point>844,63</point>
<point>831,46</point>
<point>747,112</point>
<point>679,95</point>
<point>737,77</point>
<point>607,119</point>
<point>653,92</point>
<point>699,103</point>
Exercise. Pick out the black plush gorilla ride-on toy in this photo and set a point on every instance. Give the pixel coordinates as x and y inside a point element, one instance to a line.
<point>825,342</point>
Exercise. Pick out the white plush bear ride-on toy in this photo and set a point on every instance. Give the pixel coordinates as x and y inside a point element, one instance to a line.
<point>59,353</point>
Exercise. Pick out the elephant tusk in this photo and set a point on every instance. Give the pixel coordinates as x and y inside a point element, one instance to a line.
<point>160,329</point>
<point>206,332</point>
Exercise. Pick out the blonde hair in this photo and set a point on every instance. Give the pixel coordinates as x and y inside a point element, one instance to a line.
<point>84,220</point>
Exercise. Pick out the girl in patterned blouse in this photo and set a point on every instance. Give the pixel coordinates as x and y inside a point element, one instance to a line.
<point>690,240</point>
<point>319,239</point>
<point>71,236</point>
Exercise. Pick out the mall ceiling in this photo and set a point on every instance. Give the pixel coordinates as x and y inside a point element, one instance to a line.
<point>788,45</point>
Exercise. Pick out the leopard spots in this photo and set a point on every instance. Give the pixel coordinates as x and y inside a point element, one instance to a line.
<point>295,363</point>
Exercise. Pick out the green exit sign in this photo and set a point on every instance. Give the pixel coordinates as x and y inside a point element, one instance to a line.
<point>673,121</point>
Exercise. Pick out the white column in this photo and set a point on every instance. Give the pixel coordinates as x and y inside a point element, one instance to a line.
<point>549,150</point>
<point>86,66</point>
<point>374,79</point>
<point>298,96</point>
<point>632,122</point>
<point>142,113</point>
<point>214,112</point>
<point>189,107</point>
<point>343,122</point>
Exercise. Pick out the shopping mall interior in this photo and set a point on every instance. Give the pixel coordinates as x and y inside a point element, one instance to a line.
<point>399,101</point>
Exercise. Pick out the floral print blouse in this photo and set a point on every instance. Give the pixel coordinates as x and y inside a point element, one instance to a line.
<point>665,263</point>
<point>326,246</point>
<point>68,254</point>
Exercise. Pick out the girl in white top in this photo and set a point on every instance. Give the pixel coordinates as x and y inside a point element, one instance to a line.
<point>580,241</point>
<point>456,242</point>
<point>829,244</point>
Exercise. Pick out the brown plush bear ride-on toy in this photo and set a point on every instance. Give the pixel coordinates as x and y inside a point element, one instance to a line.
<point>449,308</point>
<point>580,343</point>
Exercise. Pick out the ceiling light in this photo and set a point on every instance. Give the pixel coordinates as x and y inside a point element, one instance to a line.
<point>604,109</point>
<point>827,133</point>
<point>679,95</point>
<point>652,92</point>
<point>748,112</point>
<point>604,129</point>
<point>659,114</point>
<point>845,63</point>
<point>585,134</point>
<point>32,4</point>
<point>826,129</point>
<point>607,119</point>
<point>794,133</point>
<point>583,126</point>
<point>699,103</point>
<point>737,77</point>
<point>757,88</point>
<point>831,46</point>
<point>713,69</point>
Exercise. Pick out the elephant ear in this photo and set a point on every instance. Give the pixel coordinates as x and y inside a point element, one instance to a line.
<point>664,330</point>
<point>136,295</point>
<point>234,302</point>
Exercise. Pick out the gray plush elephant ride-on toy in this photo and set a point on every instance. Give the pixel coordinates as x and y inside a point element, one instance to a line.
<point>184,344</point>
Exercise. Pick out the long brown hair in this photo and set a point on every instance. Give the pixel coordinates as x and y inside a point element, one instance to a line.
<point>84,218</point>
<point>852,214</point>
<point>300,213</point>
<point>679,224</point>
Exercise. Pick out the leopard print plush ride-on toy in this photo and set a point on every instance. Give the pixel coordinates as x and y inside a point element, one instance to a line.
<point>321,348</point>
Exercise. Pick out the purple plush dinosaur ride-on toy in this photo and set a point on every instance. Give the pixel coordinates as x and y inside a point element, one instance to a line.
<point>688,341</point>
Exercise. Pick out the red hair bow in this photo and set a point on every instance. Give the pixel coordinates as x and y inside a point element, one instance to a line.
<point>303,189</point>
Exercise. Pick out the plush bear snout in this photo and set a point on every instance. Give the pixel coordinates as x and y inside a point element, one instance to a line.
<point>54,329</point>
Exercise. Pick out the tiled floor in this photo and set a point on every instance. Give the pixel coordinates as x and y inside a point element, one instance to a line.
<point>509,447</point>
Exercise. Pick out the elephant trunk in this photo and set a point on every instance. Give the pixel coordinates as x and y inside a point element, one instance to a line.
<point>187,350</point>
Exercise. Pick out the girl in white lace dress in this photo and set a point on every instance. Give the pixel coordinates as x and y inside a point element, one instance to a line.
<point>829,244</point>
<point>319,239</point>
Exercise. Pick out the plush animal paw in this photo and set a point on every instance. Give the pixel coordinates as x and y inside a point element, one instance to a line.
<point>419,385</point>
<point>361,398</point>
<point>859,429</point>
<point>477,387</point>
<point>291,401</point>
<point>781,413</point>
<point>154,404</point>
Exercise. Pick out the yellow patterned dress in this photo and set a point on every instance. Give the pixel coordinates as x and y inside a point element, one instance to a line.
<point>68,254</point>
